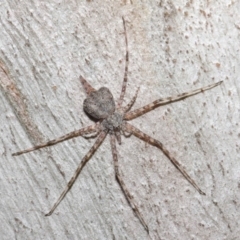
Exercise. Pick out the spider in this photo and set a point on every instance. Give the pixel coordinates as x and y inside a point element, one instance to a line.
<point>112,119</point>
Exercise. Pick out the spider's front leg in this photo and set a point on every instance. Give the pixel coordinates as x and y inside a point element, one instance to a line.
<point>146,138</point>
<point>86,158</point>
<point>122,184</point>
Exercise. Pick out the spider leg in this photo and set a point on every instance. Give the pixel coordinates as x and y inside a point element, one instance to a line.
<point>130,104</point>
<point>143,136</point>
<point>122,184</point>
<point>92,150</point>
<point>87,87</point>
<point>124,84</point>
<point>147,108</point>
<point>77,133</point>
<point>91,135</point>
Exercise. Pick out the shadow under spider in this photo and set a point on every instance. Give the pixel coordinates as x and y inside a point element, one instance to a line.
<point>112,118</point>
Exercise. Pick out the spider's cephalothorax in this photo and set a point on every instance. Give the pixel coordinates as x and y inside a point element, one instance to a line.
<point>113,119</point>
<point>113,123</point>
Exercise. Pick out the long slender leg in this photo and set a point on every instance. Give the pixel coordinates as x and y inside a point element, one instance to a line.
<point>140,111</point>
<point>138,133</point>
<point>92,150</point>
<point>123,186</point>
<point>87,87</point>
<point>130,104</point>
<point>77,133</point>
<point>124,84</point>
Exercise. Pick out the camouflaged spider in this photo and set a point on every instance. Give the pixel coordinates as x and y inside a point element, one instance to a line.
<point>113,119</point>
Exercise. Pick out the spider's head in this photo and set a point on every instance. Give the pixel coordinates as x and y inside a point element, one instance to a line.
<point>99,104</point>
<point>113,123</point>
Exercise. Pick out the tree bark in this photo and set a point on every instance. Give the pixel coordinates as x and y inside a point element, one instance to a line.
<point>173,47</point>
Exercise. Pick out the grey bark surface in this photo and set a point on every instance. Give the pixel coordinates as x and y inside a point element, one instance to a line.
<point>174,46</point>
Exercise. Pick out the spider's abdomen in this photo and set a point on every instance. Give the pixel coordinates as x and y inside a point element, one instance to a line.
<point>99,104</point>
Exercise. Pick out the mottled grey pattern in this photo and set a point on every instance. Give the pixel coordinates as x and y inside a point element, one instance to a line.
<point>113,120</point>
<point>99,104</point>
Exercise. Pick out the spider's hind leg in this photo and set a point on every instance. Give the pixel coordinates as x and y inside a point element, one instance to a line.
<point>124,84</point>
<point>130,104</point>
<point>86,85</point>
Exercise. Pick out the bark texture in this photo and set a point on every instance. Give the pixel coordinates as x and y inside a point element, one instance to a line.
<point>174,46</point>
